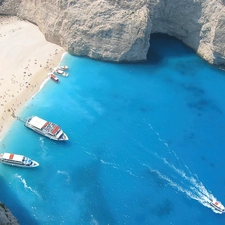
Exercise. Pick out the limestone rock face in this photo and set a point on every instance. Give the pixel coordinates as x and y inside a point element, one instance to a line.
<point>99,29</point>
<point>120,30</point>
<point>6,217</point>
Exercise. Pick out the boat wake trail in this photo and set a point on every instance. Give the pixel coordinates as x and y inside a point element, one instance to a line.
<point>26,186</point>
<point>117,167</point>
<point>113,165</point>
<point>42,144</point>
<point>194,190</point>
<point>180,177</point>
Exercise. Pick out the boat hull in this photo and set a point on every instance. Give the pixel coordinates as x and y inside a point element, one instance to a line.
<point>54,78</point>
<point>34,164</point>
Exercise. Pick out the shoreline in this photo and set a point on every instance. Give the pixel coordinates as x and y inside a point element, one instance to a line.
<point>26,58</point>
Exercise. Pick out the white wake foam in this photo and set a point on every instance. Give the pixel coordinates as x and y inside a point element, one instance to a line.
<point>183,179</point>
<point>195,191</point>
<point>23,181</point>
<point>68,179</point>
<point>43,147</point>
<point>118,167</point>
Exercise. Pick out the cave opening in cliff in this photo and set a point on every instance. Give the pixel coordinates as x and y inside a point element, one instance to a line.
<point>162,45</point>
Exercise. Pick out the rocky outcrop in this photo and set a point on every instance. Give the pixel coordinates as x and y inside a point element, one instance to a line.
<point>6,217</point>
<point>120,30</point>
<point>8,7</point>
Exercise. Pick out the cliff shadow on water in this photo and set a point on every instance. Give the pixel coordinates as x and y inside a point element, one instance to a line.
<point>13,203</point>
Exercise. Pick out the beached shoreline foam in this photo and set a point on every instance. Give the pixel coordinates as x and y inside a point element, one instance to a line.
<point>26,58</point>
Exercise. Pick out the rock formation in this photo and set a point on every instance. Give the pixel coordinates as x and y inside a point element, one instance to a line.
<point>120,30</point>
<point>6,217</point>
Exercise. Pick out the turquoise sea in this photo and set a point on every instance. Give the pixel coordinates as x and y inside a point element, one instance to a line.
<point>146,144</point>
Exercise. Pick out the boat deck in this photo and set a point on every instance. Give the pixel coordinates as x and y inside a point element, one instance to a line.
<point>51,128</point>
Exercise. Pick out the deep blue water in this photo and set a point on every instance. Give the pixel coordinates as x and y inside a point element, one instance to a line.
<point>146,144</point>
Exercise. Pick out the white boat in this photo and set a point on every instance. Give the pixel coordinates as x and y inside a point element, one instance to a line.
<point>64,67</point>
<point>54,78</point>
<point>48,129</point>
<point>217,205</point>
<point>17,160</point>
<point>61,72</point>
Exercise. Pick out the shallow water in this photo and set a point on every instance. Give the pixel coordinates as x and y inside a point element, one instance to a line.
<point>146,143</point>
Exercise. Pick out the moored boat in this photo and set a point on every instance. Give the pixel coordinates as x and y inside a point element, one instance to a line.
<point>48,129</point>
<point>17,160</point>
<point>64,67</point>
<point>218,206</point>
<point>54,78</point>
<point>61,72</point>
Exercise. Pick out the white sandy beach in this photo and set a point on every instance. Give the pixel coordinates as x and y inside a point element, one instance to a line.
<point>26,58</point>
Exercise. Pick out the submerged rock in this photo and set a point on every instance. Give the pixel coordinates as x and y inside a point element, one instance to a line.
<point>116,30</point>
<point>6,217</point>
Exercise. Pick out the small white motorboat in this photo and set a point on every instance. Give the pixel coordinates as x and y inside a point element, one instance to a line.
<point>61,72</point>
<point>63,67</point>
<point>217,205</point>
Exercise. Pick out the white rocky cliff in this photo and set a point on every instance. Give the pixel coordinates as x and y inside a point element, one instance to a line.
<point>120,30</point>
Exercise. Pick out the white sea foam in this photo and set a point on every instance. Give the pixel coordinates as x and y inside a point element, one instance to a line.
<point>62,57</point>
<point>93,220</point>
<point>164,142</point>
<point>118,167</point>
<point>113,165</point>
<point>108,163</point>
<point>181,178</point>
<point>41,139</point>
<point>68,179</point>
<point>43,147</point>
<point>87,152</point>
<point>194,189</point>
<point>41,86</point>
<point>43,83</point>
<point>26,186</point>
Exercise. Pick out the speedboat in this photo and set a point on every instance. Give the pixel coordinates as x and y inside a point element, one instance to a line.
<point>64,67</point>
<point>54,78</point>
<point>61,72</point>
<point>17,160</point>
<point>217,205</point>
